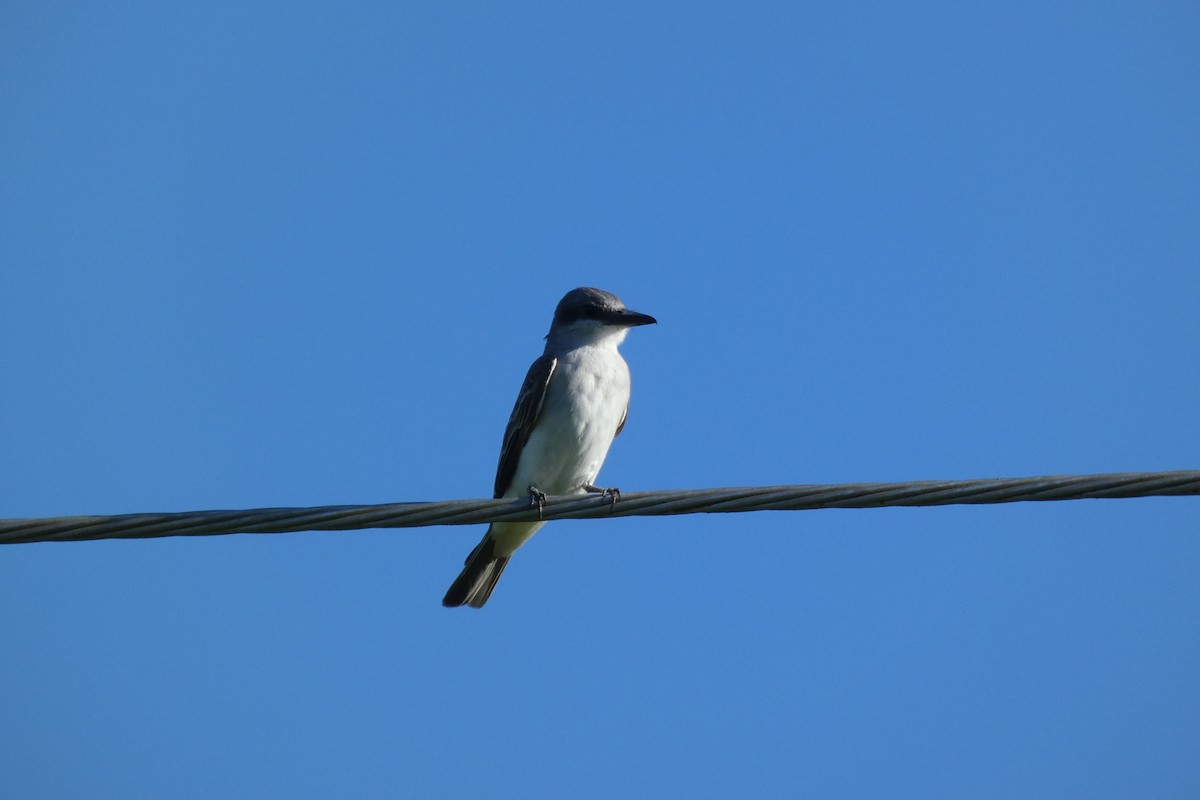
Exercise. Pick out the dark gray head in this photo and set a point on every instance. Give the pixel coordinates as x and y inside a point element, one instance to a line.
<point>586,314</point>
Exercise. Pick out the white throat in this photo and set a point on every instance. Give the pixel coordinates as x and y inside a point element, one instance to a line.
<point>585,333</point>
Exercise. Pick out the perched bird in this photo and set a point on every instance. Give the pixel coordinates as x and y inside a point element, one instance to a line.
<point>572,405</point>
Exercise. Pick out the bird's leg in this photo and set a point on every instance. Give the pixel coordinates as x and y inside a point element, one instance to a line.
<point>537,498</point>
<point>613,494</point>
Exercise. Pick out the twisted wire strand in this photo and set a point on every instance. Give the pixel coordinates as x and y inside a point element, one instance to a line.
<point>657,503</point>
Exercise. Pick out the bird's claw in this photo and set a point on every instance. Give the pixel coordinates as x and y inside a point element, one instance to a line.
<point>537,498</point>
<point>612,494</point>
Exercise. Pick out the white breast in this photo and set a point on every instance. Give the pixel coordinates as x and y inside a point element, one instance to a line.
<point>584,404</point>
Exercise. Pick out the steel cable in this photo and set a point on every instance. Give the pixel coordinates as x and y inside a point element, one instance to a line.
<point>656,503</point>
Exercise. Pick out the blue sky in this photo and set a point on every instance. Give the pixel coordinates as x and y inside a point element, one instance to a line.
<point>265,254</point>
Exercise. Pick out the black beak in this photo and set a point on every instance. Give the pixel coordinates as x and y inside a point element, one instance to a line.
<point>632,319</point>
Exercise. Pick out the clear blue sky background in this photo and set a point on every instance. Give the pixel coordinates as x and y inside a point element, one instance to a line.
<point>278,254</point>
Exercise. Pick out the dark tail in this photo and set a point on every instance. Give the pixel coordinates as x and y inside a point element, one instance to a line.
<point>475,583</point>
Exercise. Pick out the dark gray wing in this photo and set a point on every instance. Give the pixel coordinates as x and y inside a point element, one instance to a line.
<point>524,417</point>
<point>621,424</point>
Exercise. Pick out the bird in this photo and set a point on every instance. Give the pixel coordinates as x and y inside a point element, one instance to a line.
<point>572,405</point>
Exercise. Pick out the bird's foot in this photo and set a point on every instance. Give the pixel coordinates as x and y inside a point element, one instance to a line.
<point>537,498</point>
<point>613,494</point>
